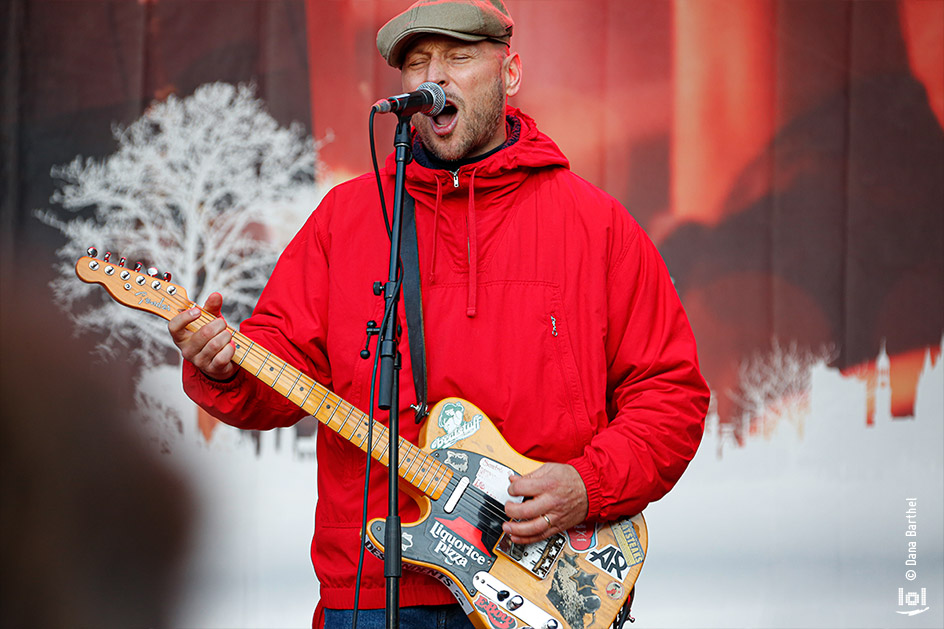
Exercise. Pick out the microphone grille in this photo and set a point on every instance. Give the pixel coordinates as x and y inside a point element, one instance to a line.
<point>439,97</point>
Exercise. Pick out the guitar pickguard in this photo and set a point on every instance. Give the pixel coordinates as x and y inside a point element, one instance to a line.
<point>460,534</point>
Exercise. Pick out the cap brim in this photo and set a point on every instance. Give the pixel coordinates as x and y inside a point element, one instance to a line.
<point>403,42</point>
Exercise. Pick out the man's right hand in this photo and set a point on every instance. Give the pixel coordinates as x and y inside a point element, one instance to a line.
<point>210,348</point>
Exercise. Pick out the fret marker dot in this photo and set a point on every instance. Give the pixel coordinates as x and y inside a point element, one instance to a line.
<point>271,368</point>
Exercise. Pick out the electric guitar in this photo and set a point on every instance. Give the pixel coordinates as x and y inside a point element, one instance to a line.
<point>579,579</point>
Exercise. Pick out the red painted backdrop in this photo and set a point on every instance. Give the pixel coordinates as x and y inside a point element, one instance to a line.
<point>786,156</point>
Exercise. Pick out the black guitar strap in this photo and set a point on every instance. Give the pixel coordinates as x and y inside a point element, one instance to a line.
<point>413,302</point>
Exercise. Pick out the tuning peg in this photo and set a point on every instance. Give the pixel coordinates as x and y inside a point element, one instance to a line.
<point>166,276</point>
<point>122,261</point>
<point>92,252</point>
<point>107,256</point>
<point>138,266</point>
<point>152,271</point>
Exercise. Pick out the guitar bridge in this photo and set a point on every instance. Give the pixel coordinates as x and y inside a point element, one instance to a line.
<point>536,558</point>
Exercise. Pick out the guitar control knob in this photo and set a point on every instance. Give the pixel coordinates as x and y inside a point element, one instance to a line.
<point>551,624</point>
<point>515,602</point>
<point>502,595</point>
<point>92,252</point>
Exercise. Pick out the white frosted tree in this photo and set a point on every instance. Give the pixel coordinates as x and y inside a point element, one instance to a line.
<point>774,386</point>
<point>197,187</point>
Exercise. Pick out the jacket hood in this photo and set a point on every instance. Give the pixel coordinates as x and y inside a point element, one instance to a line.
<point>470,205</point>
<point>531,149</point>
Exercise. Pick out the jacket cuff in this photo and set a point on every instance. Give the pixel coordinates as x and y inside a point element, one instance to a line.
<point>591,481</point>
<point>190,372</point>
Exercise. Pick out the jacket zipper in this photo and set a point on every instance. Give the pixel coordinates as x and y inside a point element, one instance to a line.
<point>455,178</point>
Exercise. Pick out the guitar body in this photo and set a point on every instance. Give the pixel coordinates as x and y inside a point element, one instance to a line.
<point>578,579</point>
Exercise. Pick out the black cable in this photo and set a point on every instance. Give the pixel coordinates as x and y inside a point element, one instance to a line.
<point>373,159</point>
<point>370,448</point>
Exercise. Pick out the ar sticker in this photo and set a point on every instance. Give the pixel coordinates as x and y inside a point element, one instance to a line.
<point>455,426</point>
<point>609,559</point>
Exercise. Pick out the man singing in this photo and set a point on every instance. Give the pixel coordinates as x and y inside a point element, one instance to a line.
<point>545,305</point>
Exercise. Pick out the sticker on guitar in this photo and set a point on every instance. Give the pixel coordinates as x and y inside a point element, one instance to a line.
<point>573,592</point>
<point>453,422</point>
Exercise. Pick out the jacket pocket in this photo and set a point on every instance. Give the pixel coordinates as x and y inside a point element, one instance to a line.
<point>561,347</point>
<point>514,360</point>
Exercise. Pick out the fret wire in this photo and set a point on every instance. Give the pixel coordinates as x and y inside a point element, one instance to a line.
<point>330,417</point>
<point>311,387</point>
<point>435,478</point>
<point>291,389</point>
<point>418,458</point>
<point>417,461</point>
<point>324,398</point>
<point>383,454</point>
<point>248,349</point>
<point>406,458</point>
<point>423,480</point>
<point>363,424</point>
<point>380,440</point>
<point>446,477</point>
<point>344,423</point>
<point>284,365</point>
<point>263,364</point>
<point>365,427</point>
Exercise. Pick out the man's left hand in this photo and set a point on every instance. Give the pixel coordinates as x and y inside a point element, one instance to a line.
<point>555,500</point>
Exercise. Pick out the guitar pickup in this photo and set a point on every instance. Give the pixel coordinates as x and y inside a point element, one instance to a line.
<point>456,495</point>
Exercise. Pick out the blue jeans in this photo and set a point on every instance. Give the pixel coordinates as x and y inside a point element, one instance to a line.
<point>419,617</point>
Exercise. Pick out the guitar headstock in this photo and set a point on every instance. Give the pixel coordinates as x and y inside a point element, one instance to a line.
<point>133,287</point>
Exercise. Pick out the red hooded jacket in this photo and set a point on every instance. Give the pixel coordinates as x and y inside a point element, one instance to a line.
<point>545,304</point>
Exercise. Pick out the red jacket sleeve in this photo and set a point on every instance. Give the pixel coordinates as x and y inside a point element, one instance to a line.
<point>289,320</point>
<point>657,398</point>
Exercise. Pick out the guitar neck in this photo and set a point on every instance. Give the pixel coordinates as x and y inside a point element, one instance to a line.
<point>134,289</point>
<point>415,466</point>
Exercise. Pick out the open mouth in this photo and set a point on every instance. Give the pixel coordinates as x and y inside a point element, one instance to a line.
<point>445,121</point>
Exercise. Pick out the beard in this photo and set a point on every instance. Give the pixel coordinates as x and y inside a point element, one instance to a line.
<point>481,119</point>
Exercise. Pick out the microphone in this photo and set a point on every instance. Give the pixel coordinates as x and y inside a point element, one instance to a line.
<point>429,98</point>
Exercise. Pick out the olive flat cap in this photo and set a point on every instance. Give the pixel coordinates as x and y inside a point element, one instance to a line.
<point>468,20</point>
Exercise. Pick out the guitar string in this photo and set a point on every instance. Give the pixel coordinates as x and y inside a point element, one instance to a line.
<point>484,502</point>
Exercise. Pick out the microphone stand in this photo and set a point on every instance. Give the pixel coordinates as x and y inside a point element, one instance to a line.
<point>389,387</point>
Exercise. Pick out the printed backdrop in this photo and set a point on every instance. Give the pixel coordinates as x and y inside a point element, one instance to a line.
<point>787,157</point>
